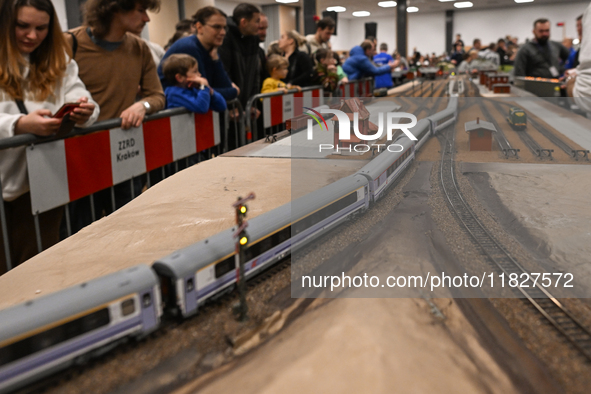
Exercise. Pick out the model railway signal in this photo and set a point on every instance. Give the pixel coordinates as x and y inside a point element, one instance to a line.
<point>241,242</point>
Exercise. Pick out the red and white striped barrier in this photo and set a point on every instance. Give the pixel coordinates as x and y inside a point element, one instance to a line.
<point>278,109</point>
<point>361,88</point>
<point>66,170</point>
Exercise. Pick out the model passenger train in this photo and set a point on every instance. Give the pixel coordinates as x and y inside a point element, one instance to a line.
<point>40,337</point>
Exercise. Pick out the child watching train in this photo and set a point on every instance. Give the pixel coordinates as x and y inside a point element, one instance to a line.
<point>188,88</point>
<point>277,66</point>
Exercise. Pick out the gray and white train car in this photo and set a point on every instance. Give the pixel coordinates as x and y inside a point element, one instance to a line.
<point>42,336</point>
<point>384,169</point>
<point>442,119</point>
<point>192,275</point>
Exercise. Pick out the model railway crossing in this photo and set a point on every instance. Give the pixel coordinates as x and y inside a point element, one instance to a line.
<point>545,303</point>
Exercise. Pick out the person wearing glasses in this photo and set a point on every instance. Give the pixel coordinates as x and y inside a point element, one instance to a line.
<point>210,24</point>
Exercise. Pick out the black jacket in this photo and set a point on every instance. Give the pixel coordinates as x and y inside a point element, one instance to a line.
<point>240,56</point>
<point>301,69</point>
<point>534,60</point>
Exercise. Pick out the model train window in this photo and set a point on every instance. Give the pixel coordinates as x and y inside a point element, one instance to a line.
<point>54,336</point>
<point>190,285</point>
<point>147,300</point>
<point>442,121</point>
<point>223,267</point>
<point>325,212</point>
<point>422,133</point>
<point>128,307</point>
<point>268,243</point>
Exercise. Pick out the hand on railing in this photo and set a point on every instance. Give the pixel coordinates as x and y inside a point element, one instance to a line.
<point>237,88</point>
<point>133,116</point>
<point>255,113</point>
<point>290,86</point>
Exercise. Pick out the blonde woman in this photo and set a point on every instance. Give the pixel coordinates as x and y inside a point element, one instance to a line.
<point>301,68</point>
<point>36,78</point>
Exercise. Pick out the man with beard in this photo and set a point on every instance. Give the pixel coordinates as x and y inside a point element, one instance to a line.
<point>541,57</point>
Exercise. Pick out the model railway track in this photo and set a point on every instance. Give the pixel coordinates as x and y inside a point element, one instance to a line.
<point>418,88</point>
<point>569,150</point>
<point>500,136</point>
<point>527,139</point>
<point>546,304</point>
<point>574,153</point>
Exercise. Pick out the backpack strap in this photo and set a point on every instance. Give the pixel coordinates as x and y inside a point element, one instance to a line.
<point>21,107</point>
<point>74,44</point>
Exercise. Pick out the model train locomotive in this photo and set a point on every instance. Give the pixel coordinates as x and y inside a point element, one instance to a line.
<point>47,334</point>
<point>517,118</point>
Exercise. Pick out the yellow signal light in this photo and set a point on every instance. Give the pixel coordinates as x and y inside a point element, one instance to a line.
<point>243,241</point>
<point>243,209</point>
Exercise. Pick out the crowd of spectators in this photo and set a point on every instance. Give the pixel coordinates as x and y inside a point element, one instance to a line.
<point>210,60</point>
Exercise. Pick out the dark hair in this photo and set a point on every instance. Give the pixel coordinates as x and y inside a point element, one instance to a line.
<point>337,58</point>
<point>184,25</point>
<point>475,41</point>
<point>325,22</point>
<point>366,44</point>
<point>47,63</point>
<point>179,63</point>
<point>175,37</point>
<point>203,14</point>
<point>244,11</point>
<point>183,28</point>
<point>322,53</point>
<point>500,41</point>
<point>383,46</point>
<point>580,17</point>
<point>99,13</point>
<point>541,20</point>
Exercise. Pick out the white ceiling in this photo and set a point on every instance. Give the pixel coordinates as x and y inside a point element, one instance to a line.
<point>425,6</point>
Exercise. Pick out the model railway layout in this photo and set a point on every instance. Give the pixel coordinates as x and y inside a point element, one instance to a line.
<point>53,332</point>
<point>540,298</point>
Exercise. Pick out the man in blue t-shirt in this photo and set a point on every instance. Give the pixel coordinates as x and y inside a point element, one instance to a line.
<point>382,59</point>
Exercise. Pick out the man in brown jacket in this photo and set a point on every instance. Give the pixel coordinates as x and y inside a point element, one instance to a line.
<point>113,63</point>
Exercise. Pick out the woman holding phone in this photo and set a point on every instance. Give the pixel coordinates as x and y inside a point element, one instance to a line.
<point>36,78</point>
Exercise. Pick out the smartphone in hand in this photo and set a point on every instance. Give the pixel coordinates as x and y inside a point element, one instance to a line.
<point>65,109</point>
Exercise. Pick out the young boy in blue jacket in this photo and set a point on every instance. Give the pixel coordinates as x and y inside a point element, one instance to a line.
<point>188,88</point>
